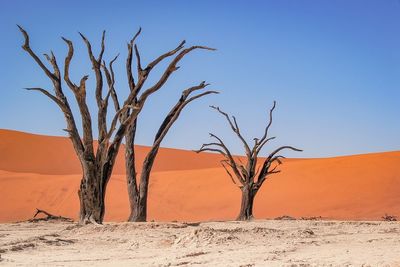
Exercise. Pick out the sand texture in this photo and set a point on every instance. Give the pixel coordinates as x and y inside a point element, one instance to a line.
<point>256,243</point>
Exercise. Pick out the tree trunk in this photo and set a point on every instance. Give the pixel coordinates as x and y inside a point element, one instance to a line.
<point>138,210</point>
<point>138,195</point>
<point>91,197</point>
<point>139,200</point>
<point>246,207</point>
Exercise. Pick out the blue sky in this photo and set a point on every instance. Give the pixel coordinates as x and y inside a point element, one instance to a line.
<point>332,66</point>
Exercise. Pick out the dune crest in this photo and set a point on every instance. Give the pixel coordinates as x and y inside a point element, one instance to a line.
<point>25,152</point>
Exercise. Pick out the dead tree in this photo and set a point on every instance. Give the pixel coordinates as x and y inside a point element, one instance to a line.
<point>138,190</point>
<point>248,176</point>
<point>97,164</point>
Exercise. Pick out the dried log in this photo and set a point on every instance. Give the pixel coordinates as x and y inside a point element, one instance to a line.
<point>285,218</point>
<point>49,217</point>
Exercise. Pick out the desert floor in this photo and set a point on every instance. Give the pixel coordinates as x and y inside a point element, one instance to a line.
<point>256,243</point>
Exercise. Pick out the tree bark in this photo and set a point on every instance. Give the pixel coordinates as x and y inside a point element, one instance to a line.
<point>131,173</point>
<point>91,197</point>
<point>246,207</point>
<point>139,209</point>
<point>138,197</point>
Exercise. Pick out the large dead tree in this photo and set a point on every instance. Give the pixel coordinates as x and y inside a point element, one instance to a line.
<point>248,176</point>
<point>138,189</point>
<point>97,164</point>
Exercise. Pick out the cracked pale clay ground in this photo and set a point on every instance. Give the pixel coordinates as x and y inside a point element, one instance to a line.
<point>255,243</point>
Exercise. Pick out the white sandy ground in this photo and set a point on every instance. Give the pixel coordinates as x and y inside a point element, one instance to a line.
<point>256,243</point>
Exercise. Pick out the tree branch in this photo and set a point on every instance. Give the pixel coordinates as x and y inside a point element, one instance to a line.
<point>226,153</point>
<point>268,162</point>
<point>235,128</point>
<point>27,48</point>
<point>170,69</point>
<point>131,80</point>
<point>240,184</point>
<point>110,77</point>
<point>48,94</point>
<point>67,63</point>
<point>262,139</point>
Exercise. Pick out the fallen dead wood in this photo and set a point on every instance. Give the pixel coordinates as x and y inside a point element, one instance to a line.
<point>49,217</point>
<point>312,218</point>
<point>285,218</point>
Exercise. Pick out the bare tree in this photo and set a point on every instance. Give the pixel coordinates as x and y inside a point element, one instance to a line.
<point>248,176</point>
<point>138,194</point>
<point>97,164</point>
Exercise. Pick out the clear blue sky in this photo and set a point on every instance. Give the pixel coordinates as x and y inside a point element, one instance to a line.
<point>332,66</point>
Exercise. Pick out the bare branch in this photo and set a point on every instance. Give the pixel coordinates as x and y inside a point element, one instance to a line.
<point>52,60</point>
<point>138,60</point>
<point>165,55</point>
<point>240,184</point>
<point>67,63</point>
<point>110,77</point>
<point>235,128</point>
<point>229,157</point>
<point>282,148</point>
<point>259,146</point>
<point>188,91</point>
<point>131,80</point>
<point>99,78</point>
<point>179,106</point>
<point>201,95</point>
<point>262,139</point>
<point>170,69</point>
<point>277,158</point>
<point>89,48</point>
<point>100,58</point>
<point>268,162</point>
<point>115,121</point>
<point>48,94</point>
<point>27,48</point>
<point>204,149</point>
<point>211,144</point>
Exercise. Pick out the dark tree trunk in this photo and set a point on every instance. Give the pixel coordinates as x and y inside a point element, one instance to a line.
<point>138,194</point>
<point>138,199</point>
<point>91,197</point>
<point>246,207</point>
<point>130,168</point>
<point>138,210</point>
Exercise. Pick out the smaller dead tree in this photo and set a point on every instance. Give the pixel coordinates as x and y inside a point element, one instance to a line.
<point>248,176</point>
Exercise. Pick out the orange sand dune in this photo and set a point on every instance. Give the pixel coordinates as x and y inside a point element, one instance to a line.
<point>23,152</point>
<point>352,187</point>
